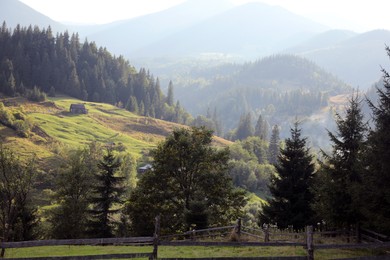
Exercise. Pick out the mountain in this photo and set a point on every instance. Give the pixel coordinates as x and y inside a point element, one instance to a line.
<point>354,58</point>
<point>14,12</point>
<point>322,41</point>
<point>278,87</point>
<point>128,36</point>
<point>249,30</point>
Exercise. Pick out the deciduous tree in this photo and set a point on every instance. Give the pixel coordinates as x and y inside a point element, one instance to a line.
<point>16,179</point>
<point>189,184</point>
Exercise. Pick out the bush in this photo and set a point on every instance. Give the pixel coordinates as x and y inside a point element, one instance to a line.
<point>22,128</point>
<point>16,120</point>
<point>36,95</point>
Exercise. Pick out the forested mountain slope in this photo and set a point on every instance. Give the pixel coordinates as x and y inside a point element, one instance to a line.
<point>277,87</point>
<point>31,57</point>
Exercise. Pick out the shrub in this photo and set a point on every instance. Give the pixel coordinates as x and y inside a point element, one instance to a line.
<point>36,95</point>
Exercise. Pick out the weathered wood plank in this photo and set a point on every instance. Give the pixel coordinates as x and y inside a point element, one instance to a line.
<point>87,257</point>
<point>368,245</point>
<point>251,235</point>
<point>243,258</point>
<point>194,243</point>
<point>89,241</point>
<point>374,233</point>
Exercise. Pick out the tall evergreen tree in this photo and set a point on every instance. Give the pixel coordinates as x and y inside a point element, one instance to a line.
<point>378,158</point>
<point>108,192</point>
<point>170,98</point>
<point>290,187</point>
<point>274,146</point>
<point>338,195</point>
<point>261,128</point>
<point>245,127</point>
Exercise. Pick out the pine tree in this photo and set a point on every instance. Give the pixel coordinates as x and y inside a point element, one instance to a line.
<point>378,158</point>
<point>339,195</point>
<point>245,128</point>
<point>108,192</point>
<point>170,99</point>
<point>274,146</point>
<point>290,187</point>
<point>261,128</point>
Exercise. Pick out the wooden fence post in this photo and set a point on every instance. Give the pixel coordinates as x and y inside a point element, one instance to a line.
<point>238,227</point>
<point>156,235</point>
<point>266,233</point>
<point>309,242</point>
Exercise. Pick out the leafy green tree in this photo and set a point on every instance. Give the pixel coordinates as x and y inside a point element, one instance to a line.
<point>189,185</point>
<point>339,191</point>
<point>107,195</point>
<point>377,178</point>
<point>290,187</point>
<point>16,182</point>
<point>73,191</point>
<point>274,146</point>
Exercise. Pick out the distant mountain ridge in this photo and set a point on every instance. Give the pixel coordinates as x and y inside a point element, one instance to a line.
<point>355,58</point>
<point>241,33</point>
<point>14,12</point>
<point>250,30</point>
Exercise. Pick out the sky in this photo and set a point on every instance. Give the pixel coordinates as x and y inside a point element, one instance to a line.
<point>356,15</point>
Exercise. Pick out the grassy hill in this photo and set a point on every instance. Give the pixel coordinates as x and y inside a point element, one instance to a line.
<point>54,128</point>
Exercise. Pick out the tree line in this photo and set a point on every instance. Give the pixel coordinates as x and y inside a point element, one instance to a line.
<point>278,86</point>
<point>33,59</point>
<point>94,194</point>
<point>348,188</point>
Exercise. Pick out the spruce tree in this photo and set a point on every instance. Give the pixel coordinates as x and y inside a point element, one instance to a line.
<point>290,187</point>
<point>377,177</point>
<point>170,99</point>
<point>261,128</point>
<point>338,195</point>
<point>274,146</point>
<point>108,192</point>
<point>245,128</point>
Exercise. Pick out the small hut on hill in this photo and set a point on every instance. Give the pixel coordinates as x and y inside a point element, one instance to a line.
<point>78,109</point>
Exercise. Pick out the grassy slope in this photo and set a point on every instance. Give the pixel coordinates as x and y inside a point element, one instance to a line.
<point>56,127</point>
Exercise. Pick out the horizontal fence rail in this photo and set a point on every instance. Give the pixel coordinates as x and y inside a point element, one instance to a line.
<point>87,257</point>
<point>198,243</point>
<point>87,241</point>
<point>240,235</point>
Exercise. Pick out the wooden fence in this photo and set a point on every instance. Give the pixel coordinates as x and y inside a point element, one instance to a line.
<point>274,238</point>
<point>95,241</point>
<point>230,236</point>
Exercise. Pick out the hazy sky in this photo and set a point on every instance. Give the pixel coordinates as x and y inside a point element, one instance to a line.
<point>357,15</point>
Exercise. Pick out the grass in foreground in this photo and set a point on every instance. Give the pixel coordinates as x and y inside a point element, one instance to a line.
<point>188,251</point>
